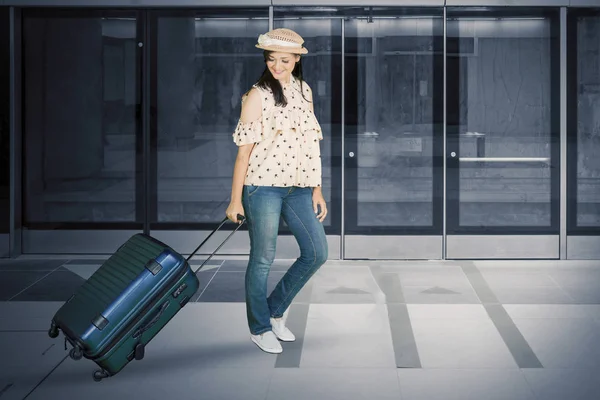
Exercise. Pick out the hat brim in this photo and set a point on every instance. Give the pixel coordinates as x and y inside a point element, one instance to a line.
<point>283,49</point>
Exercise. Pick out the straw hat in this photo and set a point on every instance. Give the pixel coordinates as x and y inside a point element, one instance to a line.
<point>282,39</point>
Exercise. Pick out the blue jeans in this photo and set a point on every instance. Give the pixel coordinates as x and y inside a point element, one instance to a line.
<point>263,206</point>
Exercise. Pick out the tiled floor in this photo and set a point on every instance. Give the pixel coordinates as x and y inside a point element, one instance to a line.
<point>366,330</point>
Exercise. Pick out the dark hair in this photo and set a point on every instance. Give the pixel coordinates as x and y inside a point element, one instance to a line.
<point>268,81</point>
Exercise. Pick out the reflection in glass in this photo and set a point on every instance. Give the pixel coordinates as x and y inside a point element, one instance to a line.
<point>502,113</point>
<point>204,67</point>
<point>80,126</point>
<point>588,120</point>
<point>393,117</point>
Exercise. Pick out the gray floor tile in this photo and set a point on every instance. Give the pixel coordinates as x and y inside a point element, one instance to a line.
<point>73,379</point>
<point>336,285</point>
<point>440,295</point>
<point>478,282</point>
<point>205,276</point>
<point>86,261</point>
<point>241,265</point>
<point>205,336</point>
<point>561,384</point>
<point>334,384</point>
<point>27,357</point>
<point>389,284</point>
<point>85,271</point>
<point>513,338</point>
<point>12,283</point>
<point>143,380</point>
<point>342,336</point>
<point>461,343</point>
<point>292,351</point>
<point>559,311</point>
<point>403,338</point>
<point>532,295</point>
<point>27,315</point>
<point>230,287</point>
<point>576,276</point>
<point>430,275</point>
<point>513,278</point>
<point>464,384</point>
<point>344,348</point>
<point>447,311</point>
<point>563,343</point>
<point>30,265</point>
<point>198,261</point>
<point>589,294</point>
<point>58,286</point>
<point>345,295</point>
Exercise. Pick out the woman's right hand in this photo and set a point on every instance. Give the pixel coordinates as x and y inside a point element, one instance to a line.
<point>235,208</point>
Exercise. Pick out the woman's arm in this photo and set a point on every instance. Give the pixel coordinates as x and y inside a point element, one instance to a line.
<point>251,111</point>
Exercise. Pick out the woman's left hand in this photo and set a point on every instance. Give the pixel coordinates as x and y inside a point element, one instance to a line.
<point>319,205</point>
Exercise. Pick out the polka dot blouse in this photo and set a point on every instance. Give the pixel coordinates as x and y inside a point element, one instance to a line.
<point>287,151</point>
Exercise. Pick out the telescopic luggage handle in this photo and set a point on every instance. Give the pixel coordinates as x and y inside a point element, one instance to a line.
<point>240,217</point>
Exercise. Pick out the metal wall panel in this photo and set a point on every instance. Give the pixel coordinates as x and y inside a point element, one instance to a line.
<point>583,248</point>
<point>363,3</point>
<point>138,3</point>
<point>585,3</point>
<point>508,3</point>
<point>107,242</point>
<point>74,241</point>
<point>239,244</point>
<point>393,247</point>
<point>498,247</point>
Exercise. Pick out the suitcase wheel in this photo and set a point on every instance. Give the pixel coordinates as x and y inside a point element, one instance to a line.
<point>53,331</point>
<point>139,351</point>
<point>76,353</point>
<point>100,374</point>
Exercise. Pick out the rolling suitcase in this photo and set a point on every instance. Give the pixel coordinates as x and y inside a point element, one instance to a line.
<point>114,314</point>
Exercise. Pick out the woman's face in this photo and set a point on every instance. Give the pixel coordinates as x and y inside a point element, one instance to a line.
<point>281,65</point>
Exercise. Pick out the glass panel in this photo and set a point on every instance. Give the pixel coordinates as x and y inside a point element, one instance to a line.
<point>4,132</point>
<point>204,66</point>
<point>320,70</point>
<point>80,123</point>
<point>503,121</point>
<point>588,120</point>
<point>393,126</point>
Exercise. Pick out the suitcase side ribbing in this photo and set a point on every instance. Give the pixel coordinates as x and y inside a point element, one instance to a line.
<point>108,282</point>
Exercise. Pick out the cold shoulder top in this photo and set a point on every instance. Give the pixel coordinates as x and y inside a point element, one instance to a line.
<point>287,140</point>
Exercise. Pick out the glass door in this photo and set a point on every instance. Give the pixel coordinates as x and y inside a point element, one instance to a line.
<point>202,62</point>
<point>502,133</point>
<point>83,135</point>
<point>321,30</point>
<point>377,78</point>
<point>393,133</point>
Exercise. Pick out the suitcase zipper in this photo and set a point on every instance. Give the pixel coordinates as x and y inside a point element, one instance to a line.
<point>141,315</point>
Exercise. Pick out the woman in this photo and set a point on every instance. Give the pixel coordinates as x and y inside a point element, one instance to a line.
<point>277,173</point>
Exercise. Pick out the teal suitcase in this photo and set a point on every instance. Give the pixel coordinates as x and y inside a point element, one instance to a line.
<point>114,314</point>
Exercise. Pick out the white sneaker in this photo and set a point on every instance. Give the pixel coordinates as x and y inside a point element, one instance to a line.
<point>280,330</point>
<point>267,342</point>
